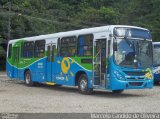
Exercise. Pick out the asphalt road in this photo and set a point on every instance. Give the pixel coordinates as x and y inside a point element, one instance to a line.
<point>16,97</point>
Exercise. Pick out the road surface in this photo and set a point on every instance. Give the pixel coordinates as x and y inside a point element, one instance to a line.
<point>16,97</point>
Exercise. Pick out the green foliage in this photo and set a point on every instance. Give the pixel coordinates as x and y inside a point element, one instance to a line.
<point>108,15</point>
<point>35,17</point>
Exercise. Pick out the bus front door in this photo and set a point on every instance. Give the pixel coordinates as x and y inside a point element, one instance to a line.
<point>16,61</point>
<point>51,51</point>
<point>99,63</point>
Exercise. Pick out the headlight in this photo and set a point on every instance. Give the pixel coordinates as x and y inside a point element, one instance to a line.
<point>149,76</point>
<point>118,75</point>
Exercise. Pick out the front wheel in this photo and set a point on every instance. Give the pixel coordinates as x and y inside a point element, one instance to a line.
<point>28,79</point>
<point>83,85</point>
<point>117,91</point>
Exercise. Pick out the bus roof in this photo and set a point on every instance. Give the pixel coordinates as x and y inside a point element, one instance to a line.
<point>74,32</point>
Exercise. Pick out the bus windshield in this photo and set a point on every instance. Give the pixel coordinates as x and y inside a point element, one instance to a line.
<point>156,54</point>
<point>132,32</point>
<point>133,53</point>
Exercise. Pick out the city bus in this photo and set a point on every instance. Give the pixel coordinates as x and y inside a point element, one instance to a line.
<point>113,57</point>
<point>156,62</point>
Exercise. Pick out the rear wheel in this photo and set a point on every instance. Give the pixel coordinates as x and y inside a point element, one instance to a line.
<point>83,85</point>
<point>117,91</point>
<point>28,79</point>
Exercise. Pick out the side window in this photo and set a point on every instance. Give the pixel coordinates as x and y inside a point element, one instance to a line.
<point>9,50</point>
<point>85,45</point>
<point>40,48</point>
<point>68,47</point>
<point>28,49</point>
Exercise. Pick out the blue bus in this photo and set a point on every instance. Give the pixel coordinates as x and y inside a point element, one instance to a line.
<point>156,62</point>
<point>113,57</point>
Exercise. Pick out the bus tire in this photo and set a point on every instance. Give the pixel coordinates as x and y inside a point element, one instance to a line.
<point>28,79</point>
<point>83,85</point>
<point>117,91</point>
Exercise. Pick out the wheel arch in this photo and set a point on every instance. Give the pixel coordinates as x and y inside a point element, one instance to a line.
<point>25,72</point>
<point>78,74</point>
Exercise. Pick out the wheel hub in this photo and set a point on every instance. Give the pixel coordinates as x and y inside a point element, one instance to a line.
<point>27,78</point>
<point>83,85</point>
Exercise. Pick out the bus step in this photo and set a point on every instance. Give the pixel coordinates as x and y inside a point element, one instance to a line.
<point>96,63</point>
<point>98,87</point>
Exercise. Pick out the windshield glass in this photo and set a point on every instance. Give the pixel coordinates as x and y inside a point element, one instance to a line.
<point>133,53</point>
<point>156,54</point>
<point>132,32</point>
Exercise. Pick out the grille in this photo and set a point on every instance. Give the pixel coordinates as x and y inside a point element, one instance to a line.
<point>135,83</point>
<point>139,78</point>
<point>135,73</point>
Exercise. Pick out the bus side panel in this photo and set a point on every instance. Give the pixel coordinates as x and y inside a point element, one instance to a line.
<point>9,70</point>
<point>37,69</point>
<point>65,74</point>
<point>21,74</point>
<point>12,71</point>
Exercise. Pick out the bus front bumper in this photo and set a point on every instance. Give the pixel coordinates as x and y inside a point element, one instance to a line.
<point>122,85</point>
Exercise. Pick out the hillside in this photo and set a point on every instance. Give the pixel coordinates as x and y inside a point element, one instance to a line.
<point>34,17</point>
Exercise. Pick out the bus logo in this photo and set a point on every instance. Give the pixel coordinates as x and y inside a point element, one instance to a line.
<point>65,67</point>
